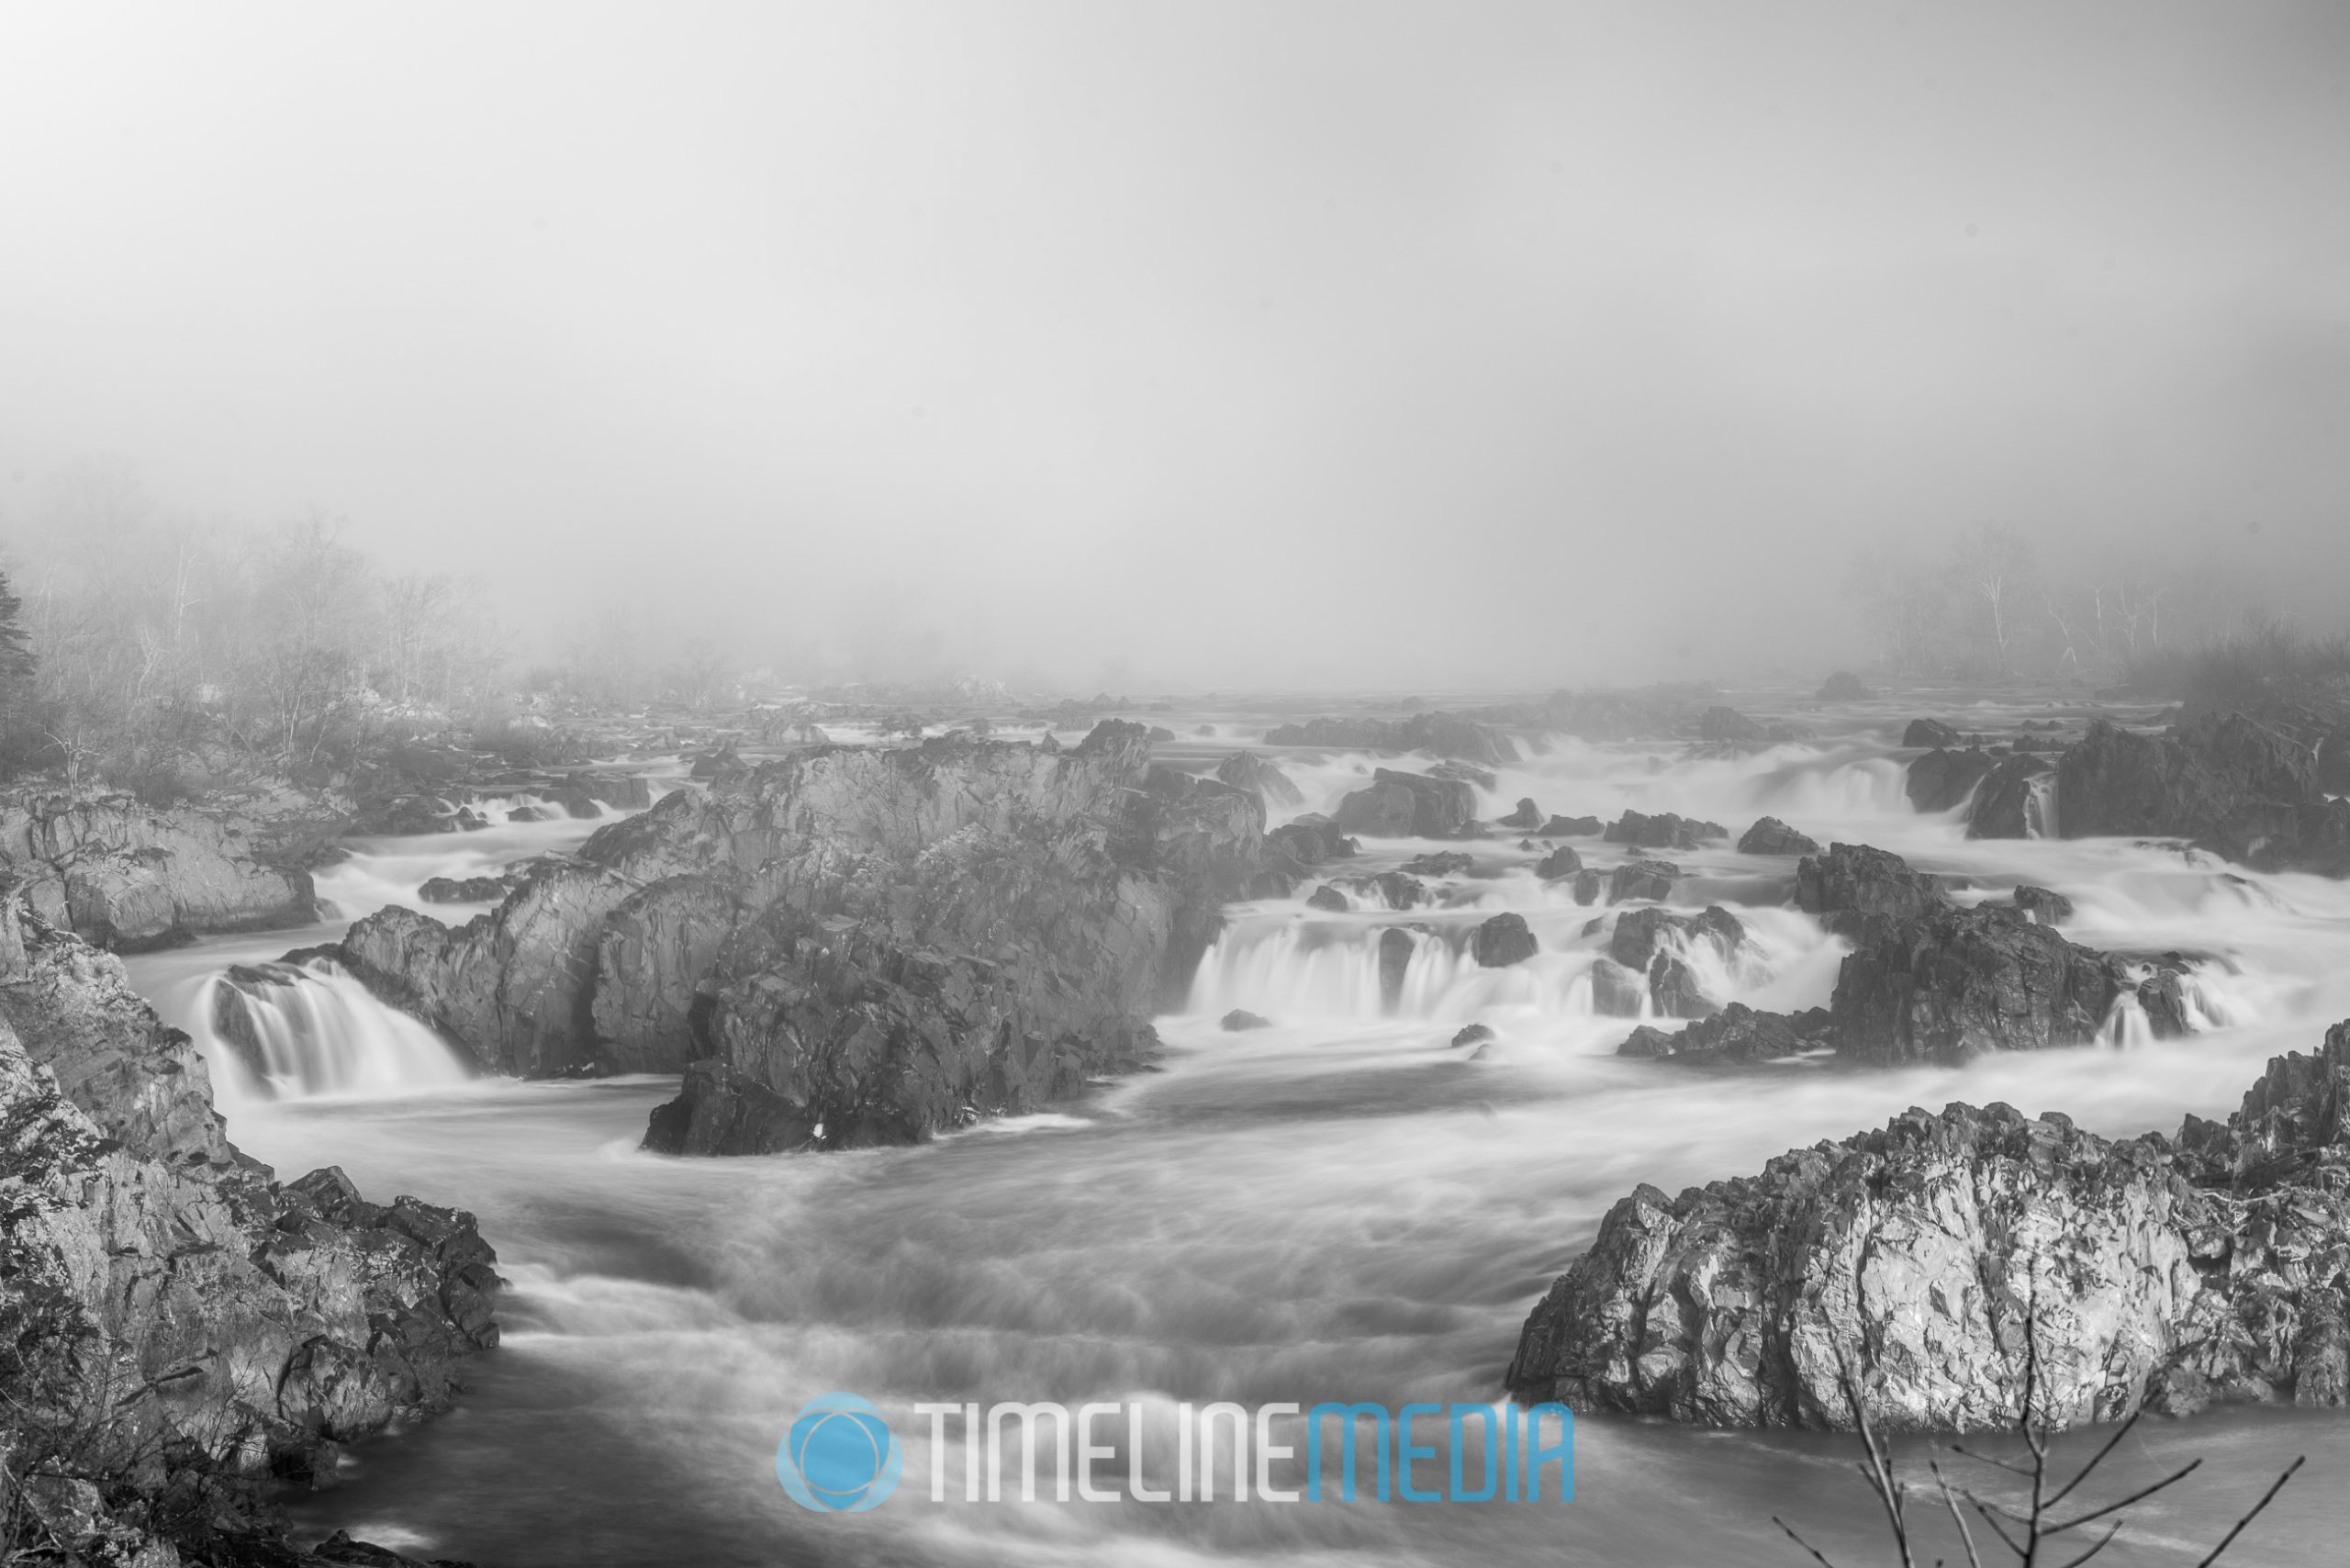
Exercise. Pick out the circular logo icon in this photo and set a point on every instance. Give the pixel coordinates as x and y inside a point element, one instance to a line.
<point>839,1456</point>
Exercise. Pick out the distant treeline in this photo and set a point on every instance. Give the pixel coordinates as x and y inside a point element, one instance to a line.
<point>146,651</point>
<point>1984,608</point>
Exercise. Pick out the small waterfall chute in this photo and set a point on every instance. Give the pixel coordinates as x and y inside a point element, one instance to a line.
<point>297,1031</point>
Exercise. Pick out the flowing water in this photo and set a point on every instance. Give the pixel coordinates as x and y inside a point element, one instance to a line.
<point>1340,1206</point>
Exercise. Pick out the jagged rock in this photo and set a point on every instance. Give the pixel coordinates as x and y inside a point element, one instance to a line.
<point>1395,950</point>
<point>1439,863</point>
<point>1940,781</point>
<point>1571,827</point>
<point>1329,898</point>
<point>1640,932</point>
<point>1929,732</point>
<point>1945,985</point>
<point>2011,802</point>
<point>1772,836</point>
<point>1842,687</point>
<point>1667,830</point>
<point>1588,887</point>
<point>1616,991</point>
<point>1640,879</point>
<point>1240,1018</point>
<point>1854,883</point>
<point>1526,817</point>
<point>1295,848</point>
<point>1559,863</point>
<point>1736,1034</point>
<point>1474,1034</point>
<point>2048,908</point>
<point>1673,988</point>
<point>2145,1271</point>
<point>1247,770</point>
<point>131,877</point>
<point>878,942</point>
<point>1438,734</point>
<point>2222,780</point>
<point>1408,805</point>
<point>1502,941</point>
<point>464,890</point>
<point>183,1328</point>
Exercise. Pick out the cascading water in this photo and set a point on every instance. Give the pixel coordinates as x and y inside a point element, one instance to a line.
<point>296,1030</point>
<point>1341,1205</point>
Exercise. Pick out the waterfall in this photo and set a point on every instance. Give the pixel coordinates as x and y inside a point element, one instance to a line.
<point>292,1032</point>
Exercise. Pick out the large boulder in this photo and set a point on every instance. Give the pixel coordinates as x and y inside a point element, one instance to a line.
<point>1943,779</point>
<point>1952,1260</point>
<point>1770,836</point>
<point>1855,883</point>
<point>1247,770</point>
<point>1639,933</point>
<point>1842,687</point>
<point>1641,879</point>
<point>1946,985</point>
<point>2222,780</point>
<point>874,944</point>
<point>1502,941</point>
<point>1736,1034</point>
<point>1408,805</point>
<point>1929,732</point>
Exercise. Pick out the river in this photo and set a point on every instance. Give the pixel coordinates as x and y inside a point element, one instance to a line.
<point>1340,1206</point>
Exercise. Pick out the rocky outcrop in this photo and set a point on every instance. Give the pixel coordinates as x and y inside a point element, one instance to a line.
<point>1738,1034</point>
<point>1438,734</point>
<point>1949,1257</point>
<point>2013,800</point>
<point>1843,685</point>
<point>2221,781</point>
<point>1641,933</point>
<point>184,1329</point>
<point>1408,805</point>
<point>1772,836</point>
<point>1525,817</point>
<point>1502,941</point>
<point>1946,985</point>
<point>464,890</point>
<point>2046,907</point>
<point>1854,884</point>
<point>1666,830</point>
<point>1559,863</point>
<point>1930,732</point>
<point>1247,770</point>
<point>1641,879</point>
<point>1571,827</point>
<point>131,877</point>
<point>852,945</point>
<point>1943,779</point>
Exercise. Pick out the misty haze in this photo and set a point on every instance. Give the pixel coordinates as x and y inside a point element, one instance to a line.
<point>1046,783</point>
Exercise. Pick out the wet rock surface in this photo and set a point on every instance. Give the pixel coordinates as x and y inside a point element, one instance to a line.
<point>850,946</point>
<point>1770,836</point>
<point>131,877</point>
<point>190,1330</point>
<point>1408,805</point>
<point>2171,1274</point>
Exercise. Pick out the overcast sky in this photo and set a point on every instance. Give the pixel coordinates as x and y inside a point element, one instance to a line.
<point>1296,344</point>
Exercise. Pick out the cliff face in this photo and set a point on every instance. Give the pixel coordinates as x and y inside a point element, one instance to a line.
<point>849,946</point>
<point>2171,1272</point>
<point>183,1328</point>
<point>127,876</point>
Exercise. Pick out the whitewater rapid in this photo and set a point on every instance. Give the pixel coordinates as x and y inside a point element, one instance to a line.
<point>1340,1205</point>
